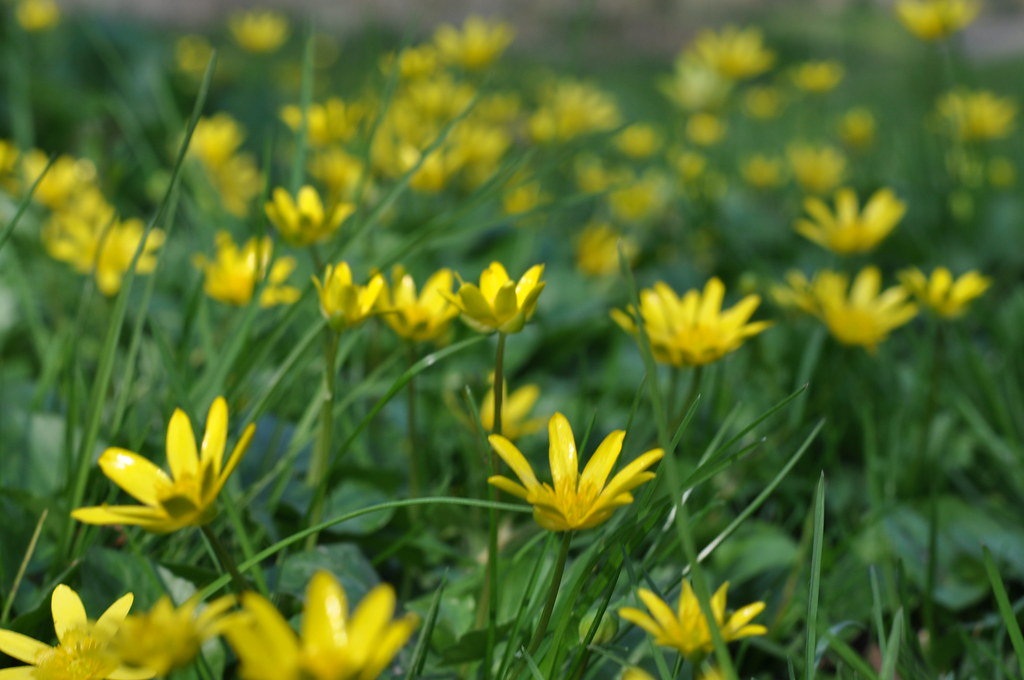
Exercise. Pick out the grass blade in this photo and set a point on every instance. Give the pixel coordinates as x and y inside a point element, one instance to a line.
<point>812,598</point>
<point>1005,608</point>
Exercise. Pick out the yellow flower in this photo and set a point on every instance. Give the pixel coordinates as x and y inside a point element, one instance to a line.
<point>414,62</point>
<point>942,294</point>
<point>334,645</point>
<point>694,85</point>
<point>332,121</point>
<point>63,183</point>
<point>592,176</point>
<point>168,637</point>
<point>216,139</point>
<point>339,171</point>
<point>936,19</point>
<point>418,318</point>
<point>639,140</point>
<point>37,15</point>
<point>233,275</point>
<point>763,102</point>
<point>705,129</point>
<point>692,330</point>
<point>686,630</point>
<point>259,30</point>
<point>762,172</point>
<point>850,230</point>
<point>735,53</point>
<point>817,169</point>
<point>570,109</point>
<point>573,501</point>
<point>977,116</point>
<point>515,408</point>
<point>477,45</point>
<point>690,165</point>
<point>237,182</point>
<point>192,54</point>
<point>818,77</point>
<point>84,650</point>
<point>303,220</point>
<point>597,249</point>
<point>343,303</point>
<point>498,303</point>
<point>634,673</point>
<point>523,197</point>
<point>187,496</point>
<point>796,293</point>
<point>639,198</point>
<point>857,128</point>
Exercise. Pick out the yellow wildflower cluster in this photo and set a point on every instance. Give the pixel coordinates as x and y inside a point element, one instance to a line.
<point>216,143</point>
<point>977,116</point>
<point>233,275</point>
<point>937,19</point>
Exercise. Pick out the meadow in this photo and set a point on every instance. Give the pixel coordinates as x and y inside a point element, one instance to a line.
<point>430,356</point>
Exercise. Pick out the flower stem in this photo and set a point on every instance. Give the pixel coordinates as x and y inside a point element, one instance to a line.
<point>415,461</point>
<point>317,475</point>
<point>934,384</point>
<point>499,392</point>
<point>556,582</point>
<point>491,587</point>
<point>224,557</point>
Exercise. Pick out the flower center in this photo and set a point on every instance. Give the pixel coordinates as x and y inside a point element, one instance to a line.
<point>84,654</point>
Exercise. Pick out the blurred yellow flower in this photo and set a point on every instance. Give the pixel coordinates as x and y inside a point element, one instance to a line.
<point>735,53</point>
<point>418,317</point>
<point>187,496</point>
<point>570,109</point>
<point>168,637</point>
<point>1002,172</point>
<point>705,129</point>
<point>638,140</point>
<point>232,276</point>
<point>523,197</point>
<point>936,19</point>
<point>762,172</point>
<point>259,30</point>
<point>634,673</point>
<point>498,303</point>
<point>796,293</point>
<point>215,139</point>
<point>818,77</point>
<point>686,630</point>
<point>597,249</point>
<point>689,165</point>
<point>977,116</point>
<point>84,648</point>
<point>573,501</point>
<point>639,198</point>
<point>692,330</point>
<point>592,176</point>
<point>477,45</point>
<point>817,169</point>
<point>694,85</point>
<point>326,123</point>
<point>303,220</point>
<point>418,61</point>
<point>857,128</point>
<point>237,182</point>
<point>515,411</point>
<point>339,171</point>
<point>848,229</point>
<point>941,293</point>
<point>192,53</point>
<point>334,644</point>
<point>63,184</point>
<point>345,304</point>
<point>37,15</point>
<point>763,102</point>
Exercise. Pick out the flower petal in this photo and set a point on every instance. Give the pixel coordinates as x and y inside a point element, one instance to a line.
<point>215,436</point>
<point>21,647</point>
<point>68,611</point>
<point>562,454</point>
<point>139,477</point>
<point>181,446</point>
<point>324,616</point>
<point>150,519</point>
<point>515,460</point>
<point>599,466</point>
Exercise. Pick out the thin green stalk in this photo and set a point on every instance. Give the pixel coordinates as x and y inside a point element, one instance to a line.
<point>556,582</point>
<point>499,391</point>
<point>1005,608</point>
<point>933,481</point>
<point>4,616</point>
<point>317,475</point>
<point>225,559</point>
<point>491,587</point>
<point>415,460</point>
<point>691,392</point>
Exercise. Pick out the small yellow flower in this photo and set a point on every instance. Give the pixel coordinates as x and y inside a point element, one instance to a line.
<point>857,128</point>
<point>592,176</point>
<point>414,62</point>
<point>692,330</point>
<point>570,109</point>
<point>936,19</point>
<point>573,501</point>
<point>37,15</point>
<point>523,197</point>
<point>695,85</point>
<point>192,53</point>
<point>796,293</point>
<point>334,644</point>
<point>333,121</point>
<point>638,140</point>
<point>477,45</point>
<point>84,650</point>
<point>638,198</point>
<point>259,30</point>
<point>187,496</point>
<point>498,303</point>
<point>689,165</point>
<point>763,102</point>
<point>686,630</point>
<point>343,303</point>
<point>237,182</point>
<point>515,409</point>
<point>168,637</point>
<point>705,129</point>
<point>303,220</point>
<point>977,116</point>
<point>66,180</point>
<point>817,169</point>
<point>634,673</point>
<point>735,53</point>
<point>940,293</point>
<point>423,317</point>
<point>215,139</point>
<point>762,172</point>
<point>848,229</point>
<point>339,171</point>
<point>597,249</point>
<point>232,276</point>
<point>818,77</point>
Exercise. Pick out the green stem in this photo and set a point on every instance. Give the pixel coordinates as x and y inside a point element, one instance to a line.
<point>491,587</point>
<point>226,562</point>
<point>692,391</point>
<point>933,477</point>
<point>318,475</point>
<point>499,392</point>
<point>415,461</point>
<point>556,582</point>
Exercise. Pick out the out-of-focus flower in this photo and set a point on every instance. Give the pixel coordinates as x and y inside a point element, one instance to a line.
<point>593,176</point>
<point>418,317</point>
<point>232,275</point>
<point>192,53</point>
<point>334,644</point>
<point>692,330</point>
<point>339,171</point>
<point>936,19</point>
<point>188,495</point>
<point>1002,172</point>
<point>259,30</point>
<point>597,249</point>
<point>37,15</point>
<point>817,169</point>
<point>477,45</point>
<point>686,630</point>
<point>345,304</point>
<point>762,172</point>
<point>573,501</point>
<point>303,220</point>
<point>941,293</point>
<point>515,411</point>
<point>499,303</point>
<point>168,637</point>
<point>639,198</point>
<point>857,128</point>
<point>634,673</point>
<point>216,139</point>
<point>522,197</point>
<point>763,102</point>
<point>818,77</point>
<point>84,650</point>
<point>848,229</point>
<point>705,129</point>
<point>735,53</point>
<point>418,61</point>
<point>796,293</point>
<point>694,85</point>
<point>639,140</point>
<point>977,116</point>
<point>65,182</point>
<point>689,165</point>
<point>570,109</point>
<point>326,123</point>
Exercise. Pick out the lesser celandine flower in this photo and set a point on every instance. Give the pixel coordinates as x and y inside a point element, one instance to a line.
<point>37,15</point>
<point>936,19</point>
<point>64,182</point>
<point>232,275</point>
<point>638,198</point>
<point>515,411</point>
<point>817,169</point>
<point>477,45</point>
<point>597,249</point>
<point>849,229</point>
<point>705,129</point>
<point>977,116</point>
<point>857,128</point>
<point>303,220</point>
<point>941,293</point>
<point>499,303</point>
<point>686,630</point>
<point>192,53</point>
<point>187,496</point>
<point>418,317</point>
<point>695,85</point>
<point>522,197</point>
<point>692,330</point>
<point>343,303</point>
<point>339,171</point>
<point>818,77</point>
<point>573,501</point>
<point>570,109</point>
<point>259,30</point>
<point>762,172</point>
<point>733,52</point>
<point>326,123</point>
<point>84,650</point>
<point>639,140</point>
<point>333,644</point>
<point>215,139</point>
<point>763,102</point>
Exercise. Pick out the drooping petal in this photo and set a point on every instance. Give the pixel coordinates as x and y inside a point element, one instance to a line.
<point>508,486</point>
<point>641,619</point>
<point>150,519</point>
<point>136,475</point>
<point>68,611</point>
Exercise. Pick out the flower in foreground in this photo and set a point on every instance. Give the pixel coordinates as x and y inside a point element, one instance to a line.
<point>686,630</point>
<point>186,497</point>
<point>345,304</point>
<point>85,648</point>
<point>941,293</point>
<point>499,303</point>
<point>231,277</point>
<point>332,646</point>
<point>573,501</point>
<point>692,330</point>
<point>936,19</point>
<point>848,229</point>
<point>303,220</point>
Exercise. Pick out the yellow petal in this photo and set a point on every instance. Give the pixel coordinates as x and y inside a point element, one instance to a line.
<point>600,465</point>
<point>515,460</point>
<point>137,476</point>
<point>233,461</point>
<point>641,619</point>
<point>324,616</point>
<point>215,436</point>
<point>508,486</point>
<point>21,647</point>
<point>68,611</point>
<point>116,613</point>
<point>562,454</point>
<point>181,446</point>
<point>127,673</point>
<point>20,672</point>
<point>369,621</point>
<point>150,519</point>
